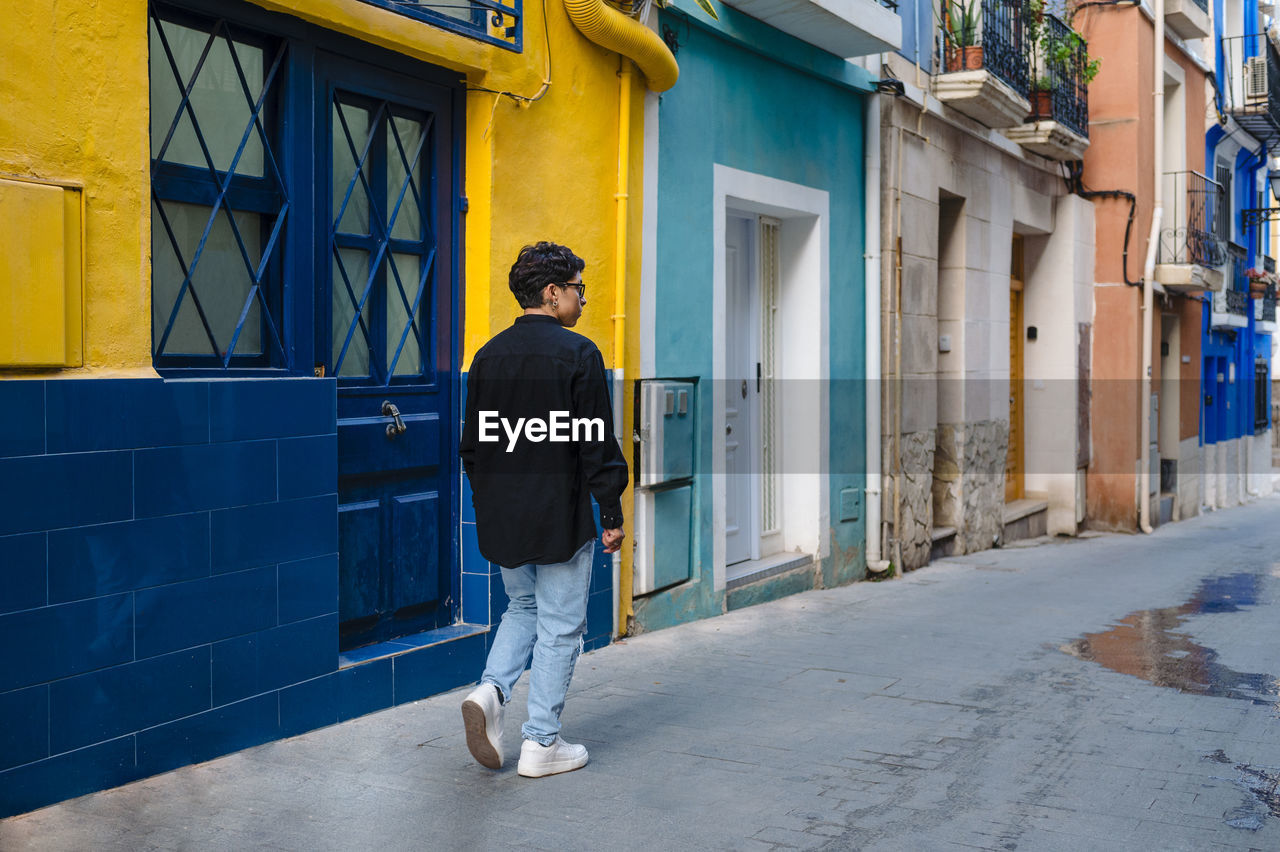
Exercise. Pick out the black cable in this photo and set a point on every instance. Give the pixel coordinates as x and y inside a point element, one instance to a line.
<point>546,84</point>
<point>1075,185</point>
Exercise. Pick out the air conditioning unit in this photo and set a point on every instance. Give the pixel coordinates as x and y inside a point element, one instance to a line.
<point>1255,78</point>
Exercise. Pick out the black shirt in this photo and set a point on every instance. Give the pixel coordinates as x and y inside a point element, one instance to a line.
<point>538,443</point>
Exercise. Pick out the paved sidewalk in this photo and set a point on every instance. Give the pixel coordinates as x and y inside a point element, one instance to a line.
<point>935,712</point>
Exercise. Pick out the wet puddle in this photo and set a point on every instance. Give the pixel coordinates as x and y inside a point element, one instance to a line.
<point>1261,783</point>
<point>1147,644</point>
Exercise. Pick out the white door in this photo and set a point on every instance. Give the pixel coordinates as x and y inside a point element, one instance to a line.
<point>742,534</point>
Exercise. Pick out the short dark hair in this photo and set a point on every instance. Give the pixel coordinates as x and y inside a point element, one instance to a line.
<point>539,265</point>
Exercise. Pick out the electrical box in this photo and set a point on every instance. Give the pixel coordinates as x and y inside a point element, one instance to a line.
<point>665,436</point>
<point>666,431</point>
<point>41,278</point>
<point>664,536</point>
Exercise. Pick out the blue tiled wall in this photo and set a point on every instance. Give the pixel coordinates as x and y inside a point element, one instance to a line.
<point>168,576</point>
<point>169,582</point>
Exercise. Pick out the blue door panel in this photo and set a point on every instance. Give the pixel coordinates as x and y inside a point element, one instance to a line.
<point>359,558</point>
<point>417,563</point>
<point>364,446</point>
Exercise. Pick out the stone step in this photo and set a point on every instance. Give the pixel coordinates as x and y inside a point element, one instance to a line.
<point>944,540</point>
<point>1025,519</point>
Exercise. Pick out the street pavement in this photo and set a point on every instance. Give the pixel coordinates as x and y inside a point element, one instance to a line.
<point>1109,692</point>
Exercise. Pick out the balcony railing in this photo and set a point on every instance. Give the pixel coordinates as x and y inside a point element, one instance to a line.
<point>1268,309</point>
<point>491,21</point>
<point>990,35</point>
<point>1062,73</point>
<point>1252,86</point>
<point>1238,256</point>
<point>1193,200</point>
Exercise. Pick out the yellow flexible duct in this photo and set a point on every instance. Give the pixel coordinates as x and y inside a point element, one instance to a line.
<point>614,31</point>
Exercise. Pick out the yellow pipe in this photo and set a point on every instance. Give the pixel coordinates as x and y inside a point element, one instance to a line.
<point>620,295</point>
<point>614,31</point>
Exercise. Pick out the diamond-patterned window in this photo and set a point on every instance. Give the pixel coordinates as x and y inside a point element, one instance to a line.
<point>219,200</point>
<point>383,240</point>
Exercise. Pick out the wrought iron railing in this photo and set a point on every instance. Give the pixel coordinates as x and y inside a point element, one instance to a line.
<point>1269,264</point>
<point>987,34</point>
<point>1193,198</point>
<point>1251,90</point>
<point>1269,308</point>
<point>1238,256</point>
<point>1062,73</point>
<point>492,21</point>
<point>1236,302</point>
<point>1203,4</point>
<point>1261,382</point>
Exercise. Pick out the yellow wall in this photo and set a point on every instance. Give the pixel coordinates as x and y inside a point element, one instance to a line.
<point>73,84</point>
<point>74,79</point>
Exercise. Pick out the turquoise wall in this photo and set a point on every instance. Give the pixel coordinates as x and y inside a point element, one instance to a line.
<point>754,99</point>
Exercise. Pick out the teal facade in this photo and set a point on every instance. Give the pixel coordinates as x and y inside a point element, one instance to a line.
<point>756,100</point>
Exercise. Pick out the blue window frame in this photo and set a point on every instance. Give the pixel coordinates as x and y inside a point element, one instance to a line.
<point>241,224</point>
<point>220,202</point>
<point>382,240</point>
<point>489,21</point>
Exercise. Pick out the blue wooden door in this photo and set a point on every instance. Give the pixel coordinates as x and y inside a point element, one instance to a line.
<point>387,191</point>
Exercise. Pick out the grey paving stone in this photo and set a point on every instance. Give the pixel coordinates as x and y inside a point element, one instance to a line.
<point>933,712</point>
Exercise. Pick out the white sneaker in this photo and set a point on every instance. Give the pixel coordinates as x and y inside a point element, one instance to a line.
<point>482,717</point>
<point>537,760</point>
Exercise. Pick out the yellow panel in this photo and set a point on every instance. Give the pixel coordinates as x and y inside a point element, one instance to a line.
<point>33,295</point>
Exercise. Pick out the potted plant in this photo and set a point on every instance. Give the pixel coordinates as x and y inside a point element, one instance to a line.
<point>1259,282</point>
<point>1054,51</point>
<point>961,22</point>
<point>1042,89</point>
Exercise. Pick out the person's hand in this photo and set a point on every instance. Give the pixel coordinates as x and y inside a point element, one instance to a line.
<point>612,540</point>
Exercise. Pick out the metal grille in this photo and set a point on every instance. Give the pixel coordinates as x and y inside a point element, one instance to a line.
<point>1261,395</point>
<point>487,20</point>
<point>1066,77</point>
<point>382,240</point>
<point>995,31</point>
<point>1269,308</point>
<point>1239,257</point>
<point>1222,210</point>
<point>1192,200</point>
<point>769,268</point>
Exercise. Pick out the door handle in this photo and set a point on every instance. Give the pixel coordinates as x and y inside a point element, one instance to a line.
<point>396,427</point>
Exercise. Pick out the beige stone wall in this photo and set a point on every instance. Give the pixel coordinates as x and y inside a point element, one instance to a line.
<point>956,192</point>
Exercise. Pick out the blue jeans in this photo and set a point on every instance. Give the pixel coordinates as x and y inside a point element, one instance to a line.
<point>545,618</point>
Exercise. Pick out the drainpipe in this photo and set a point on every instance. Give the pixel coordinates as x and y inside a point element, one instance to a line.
<point>623,570</point>
<point>1148,278</point>
<point>614,31</point>
<point>634,41</point>
<point>871,272</point>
